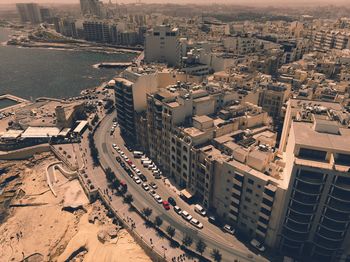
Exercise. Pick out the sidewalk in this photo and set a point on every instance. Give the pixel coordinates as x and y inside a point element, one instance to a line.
<point>136,223</point>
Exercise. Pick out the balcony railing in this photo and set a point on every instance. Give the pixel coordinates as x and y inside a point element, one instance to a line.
<point>334,225</point>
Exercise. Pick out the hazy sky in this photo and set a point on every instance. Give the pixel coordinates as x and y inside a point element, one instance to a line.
<point>243,2</point>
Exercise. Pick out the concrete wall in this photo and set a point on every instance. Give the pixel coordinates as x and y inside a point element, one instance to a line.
<point>24,153</point>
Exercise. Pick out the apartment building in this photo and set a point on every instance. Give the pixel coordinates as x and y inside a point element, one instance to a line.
<point>163,45</point>
<point>272,97</point>
<point>325,40</point>
<point>316,149</point>
<point>29,12</point>
<point>132,90</point>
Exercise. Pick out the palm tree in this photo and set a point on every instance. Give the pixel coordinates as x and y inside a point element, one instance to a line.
<point>201,246</point>
<point>128,199</point>
<point>147,212</point>
<point>216,255</point>
<point>171,231</point>
<point>187,241</point>
<point>158,221</point>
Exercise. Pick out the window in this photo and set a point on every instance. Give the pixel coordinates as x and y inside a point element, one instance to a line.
<point>250,181</point>
<point>249,190</point>
<point>247,199</point>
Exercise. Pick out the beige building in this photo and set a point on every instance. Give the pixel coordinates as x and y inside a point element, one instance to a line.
<point>316,149</point>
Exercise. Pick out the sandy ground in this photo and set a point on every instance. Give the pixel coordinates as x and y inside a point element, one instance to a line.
<point>40,230</point>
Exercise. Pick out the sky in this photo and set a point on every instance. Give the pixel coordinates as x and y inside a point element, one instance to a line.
<point>242,2</point>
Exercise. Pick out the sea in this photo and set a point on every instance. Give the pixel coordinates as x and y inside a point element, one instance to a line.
<point>38,72</point>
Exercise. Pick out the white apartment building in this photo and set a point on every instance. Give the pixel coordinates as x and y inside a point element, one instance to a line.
<point>163,45</point>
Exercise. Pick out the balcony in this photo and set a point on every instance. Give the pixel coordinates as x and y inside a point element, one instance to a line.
<point>307,188</point>
<point>343,183</point>
<point>269,198</point>
<point>301,208</point>
<point>297,227</point>
<point>235,200</point>
<point>294,236</point>
<point>237,182</point>
<point>327,243</point>
<point>310,178</point>
<point>333,225</point>
<point>267,207</point>
<point>339,205</point>
<point>305,199</point>
<point>235,191</point>
<point>292,244</point>
<point>299,218</point>
<point>331,235</point>
<point>340,193</point>
<point>336,216</point>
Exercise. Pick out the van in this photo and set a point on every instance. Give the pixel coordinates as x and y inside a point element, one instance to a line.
<point>137,154</point>
<point>200,210</point>
<point>144,159</point>
<point>147,163</point>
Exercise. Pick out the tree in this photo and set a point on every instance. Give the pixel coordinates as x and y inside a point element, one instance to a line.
<point>116,183</point>
<point>128,199</point>
<point>201,246</point>
<point>158,221</point>
<point>147,212</point>
<point>216,255</point>
<point>171,231</point>
<point>187,241</point>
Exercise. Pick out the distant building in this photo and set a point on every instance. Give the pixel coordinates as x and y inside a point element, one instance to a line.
<point>29,13</point>
<point>46,14</point>
<point>91,7</point>
<point>162,44</point>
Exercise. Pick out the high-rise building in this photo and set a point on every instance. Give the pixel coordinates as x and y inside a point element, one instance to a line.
<point>162,45</point>
<point>29,13</point>
<point>316,147</point>
<point>46,15</point>
<point>91,7</point>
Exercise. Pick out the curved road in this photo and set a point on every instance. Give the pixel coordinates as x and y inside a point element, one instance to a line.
<point>211,235</point>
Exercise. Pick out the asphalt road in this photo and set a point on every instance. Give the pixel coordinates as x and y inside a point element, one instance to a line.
<point>228,245</point>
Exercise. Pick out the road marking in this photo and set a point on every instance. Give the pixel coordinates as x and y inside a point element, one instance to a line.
<point>104,148</point>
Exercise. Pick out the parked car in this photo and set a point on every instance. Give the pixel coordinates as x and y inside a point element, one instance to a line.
<point>153,185</point>
<point>196,223</point>
<point>166,205</point>
<point>133,166</point>
<point>138,172</point>
<point>212,220</point>
<point>152,193</point>
<point>200,210</point>
<point>137,180</point>
<point>257,244</point>
<point>145,186</point>
<point>122,164</point>
<point>186,215</point>
<point>229,229</point>
<point>143,177</point>
<point>177,210</point>
<point>118,159</point>
<point>158,199</point>
<point>172,201</point>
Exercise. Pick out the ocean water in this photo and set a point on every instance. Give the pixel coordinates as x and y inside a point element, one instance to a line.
<point>35,72</point>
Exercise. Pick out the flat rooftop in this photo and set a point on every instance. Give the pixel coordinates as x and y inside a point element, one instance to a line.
<point>306,136</point>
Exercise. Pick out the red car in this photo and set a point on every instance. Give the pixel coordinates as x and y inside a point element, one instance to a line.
<point>129,162</point>
<point>166,205</point>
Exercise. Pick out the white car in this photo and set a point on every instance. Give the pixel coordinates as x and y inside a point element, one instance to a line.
<point>137,171</point>
<point>229,229</point>
<point>145,186</point>
<point>150,166</point>
<point>158,199</point>
<point>122,153</point>
<point>256,244</point>
<point>126,158</point>
<point>114,146</point>
<point>133,166</point>
<point>186,215</point>
<point>137,180</point>
<point>177,210</point>
<point>196,223</point>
